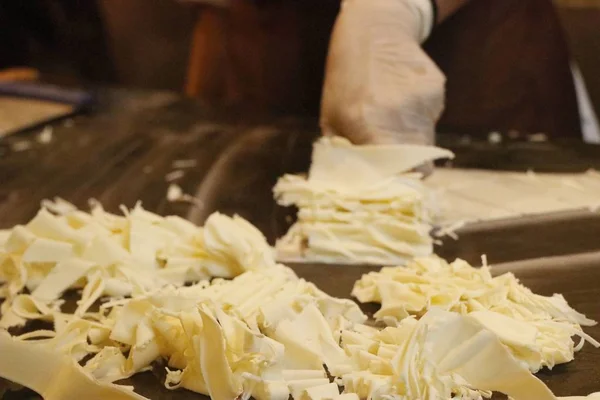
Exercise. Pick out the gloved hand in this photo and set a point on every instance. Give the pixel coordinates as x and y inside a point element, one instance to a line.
<point>380,86</point>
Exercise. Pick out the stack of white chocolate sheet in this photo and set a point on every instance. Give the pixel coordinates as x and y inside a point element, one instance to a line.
<point>365,205</point>
<point>360,204</point>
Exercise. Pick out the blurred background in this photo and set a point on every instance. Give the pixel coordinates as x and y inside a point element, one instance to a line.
<point>263,55</point>
<point>522,87</point>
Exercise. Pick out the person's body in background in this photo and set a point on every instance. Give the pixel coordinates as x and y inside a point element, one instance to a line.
<point>506,61</point>
<point>64,39</point>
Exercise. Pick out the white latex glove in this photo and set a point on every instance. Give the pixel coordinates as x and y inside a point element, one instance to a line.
<point>380,86</point>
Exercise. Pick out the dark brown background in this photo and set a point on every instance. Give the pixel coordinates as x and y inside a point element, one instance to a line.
<point>503,57</point>
<point>136,29</point>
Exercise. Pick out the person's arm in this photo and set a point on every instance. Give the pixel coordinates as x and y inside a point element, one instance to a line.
<point>380,86</point>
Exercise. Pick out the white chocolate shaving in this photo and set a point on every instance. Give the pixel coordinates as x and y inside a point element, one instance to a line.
<point>53,375</point>
<point>266,333</point>
<point>335,159</point>
<point>229,349</point>
<point>64,275</point>
<point>537,329</point>
<point>322,392</point>
<point>63,248</point>
<point>47,251</point>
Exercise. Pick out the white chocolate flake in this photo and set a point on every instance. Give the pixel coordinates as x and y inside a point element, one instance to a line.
<point>537,329</point>
<point>266,333</point>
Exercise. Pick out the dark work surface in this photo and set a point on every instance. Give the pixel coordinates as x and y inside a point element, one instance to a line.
<point>522,154</point>
<point>526,237</point>
<point>121,153</point>
<point>576,277</point>
<point>104,156</point>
